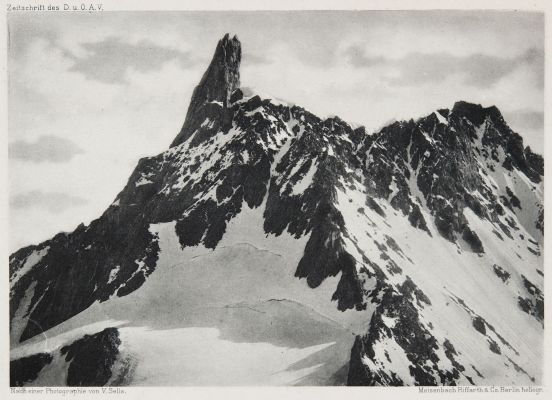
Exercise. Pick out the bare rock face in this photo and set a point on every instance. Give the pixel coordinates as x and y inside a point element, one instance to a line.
<point>89,361</point>
<point>26,369</point>
<point>212,95</point>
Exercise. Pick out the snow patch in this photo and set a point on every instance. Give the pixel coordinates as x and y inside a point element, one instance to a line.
<point>305,181</point>
<point>441,119</point>
<point>113,274</point>
<point>33,259</point>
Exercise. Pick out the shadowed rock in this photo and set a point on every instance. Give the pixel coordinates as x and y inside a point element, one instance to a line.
<point>219,81</point>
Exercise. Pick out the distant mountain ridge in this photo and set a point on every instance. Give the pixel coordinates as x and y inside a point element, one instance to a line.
<point>424,239</point>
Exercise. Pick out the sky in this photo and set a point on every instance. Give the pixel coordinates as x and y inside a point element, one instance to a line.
<point>90,94</point>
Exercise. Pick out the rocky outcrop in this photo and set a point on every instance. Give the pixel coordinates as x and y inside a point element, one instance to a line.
<point>26,369</point>
<point>212,95</point>
<point>88,360</point>
<point>91,358</point>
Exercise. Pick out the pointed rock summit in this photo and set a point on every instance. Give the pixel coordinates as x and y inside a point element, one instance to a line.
<point>217,84</point>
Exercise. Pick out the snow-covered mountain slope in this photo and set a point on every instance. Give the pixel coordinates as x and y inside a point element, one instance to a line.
<point>461,256</point>
<point>269,246</point>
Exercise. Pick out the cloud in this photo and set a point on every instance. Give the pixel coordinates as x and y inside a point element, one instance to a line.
<point>478,70</point>
<point>255,58</point>
<point>47,148</point>
<point>526,119</point>
<point>358,58</point>
<point>108,61</point>
<point>54,202</point>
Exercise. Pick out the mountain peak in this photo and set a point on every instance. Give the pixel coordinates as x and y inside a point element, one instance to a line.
<point>220,79</point>
<point>476,113</point>
<point>230,49</point>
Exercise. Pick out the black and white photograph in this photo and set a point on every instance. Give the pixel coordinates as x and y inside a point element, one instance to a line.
<point>270,198</point>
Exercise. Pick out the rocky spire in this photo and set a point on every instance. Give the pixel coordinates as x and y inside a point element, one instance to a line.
<point>217,84</point>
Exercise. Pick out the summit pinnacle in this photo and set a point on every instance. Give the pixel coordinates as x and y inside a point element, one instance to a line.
<point>220,79</point>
